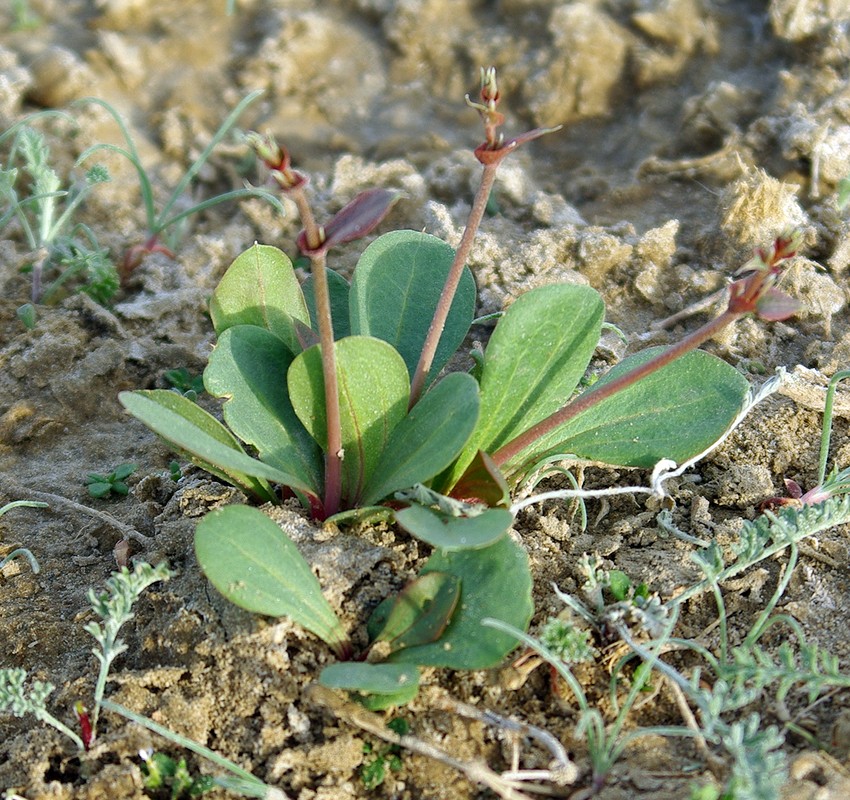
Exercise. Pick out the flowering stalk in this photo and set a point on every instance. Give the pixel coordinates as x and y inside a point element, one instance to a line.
<point>293,184</point>
<point>356,219</point>
<point>755,293</point>
<point>490,154</point>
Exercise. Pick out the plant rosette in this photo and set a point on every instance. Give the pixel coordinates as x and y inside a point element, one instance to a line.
<point>335,387</point>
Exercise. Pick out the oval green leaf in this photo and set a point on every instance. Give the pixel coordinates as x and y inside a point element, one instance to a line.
<point>428,439</point>
<point>260,288</point>
<point>418,614</point>
<point>395,289</point>
<point>455,533</point>
<point>676,412</point>
<point>538,353</point>
<point>193,433</point>
<point>495,582</point>
<point>373,394</point>
<point>250,560</point>
<point>248,367</point>
<point>376,686</point>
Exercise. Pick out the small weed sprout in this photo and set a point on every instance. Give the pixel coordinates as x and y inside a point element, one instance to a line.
<point>45,215</point>
<point>373,771</point>
<point>184,382</point>
<point>167,217</point>
<point>23,17</point>
<point>842,196</point>
<point>239,780</point>
<point>115,608</point>
<point>569,643</point>
<point>161,771</point>
<point>115,482</point>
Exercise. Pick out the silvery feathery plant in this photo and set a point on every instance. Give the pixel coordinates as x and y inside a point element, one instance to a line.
<point>115,608</point>
<point>33,194</point>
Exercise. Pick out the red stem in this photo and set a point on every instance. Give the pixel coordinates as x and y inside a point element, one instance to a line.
<point>596,395</point>
<point>441,313</point>
<point>333,456</point>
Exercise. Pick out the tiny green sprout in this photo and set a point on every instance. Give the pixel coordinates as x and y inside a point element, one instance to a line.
<point>842,197</point>
<point>373,771</point>
<point>115,608</point>
<point>114,483</point>
<point>174,471</point>
<point>237,780</point>
<point>23,17</point>
<point>168,217</point>
<point>709,792</point>
<point>161,771</point>
<point>184,382</point>
<point>621,587</point>
<point>19,700</point>
<point>570,644</point>
<point>28,315</point>
<point>46,214</point>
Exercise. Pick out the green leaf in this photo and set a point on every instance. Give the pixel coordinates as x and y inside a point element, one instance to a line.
<point>482,482</point>
<point>123,471</point>
<point>418,614</point>
<point>248,367</point>
<point>338,289</point>
<point>250,560</point>
<point>376,686</point>
<point>842,195</point>
<point>495,582</point>
<point>455,533</point>
<point>260,288</point>
<point>395,289</point>
<point>676,412</point>
<point>619,584</point>
<point>373,394</point>
<point>198,436</point>
<point>428,439</point>
<point>538,353</point>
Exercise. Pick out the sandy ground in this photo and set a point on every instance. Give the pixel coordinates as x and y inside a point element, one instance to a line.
<point>692,132</point>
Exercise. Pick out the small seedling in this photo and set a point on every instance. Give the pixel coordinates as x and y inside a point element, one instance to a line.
<point>184,382</point>
<point>45,214</point>
<point>114,483</point>
<point>238,780</point>
<point>161,771</point>
<point>19,700</point>
<point>23,17</point>
<point>167,217</point>
<point>842,196</point>
<point>115,608</point>
<point>380,761</point>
